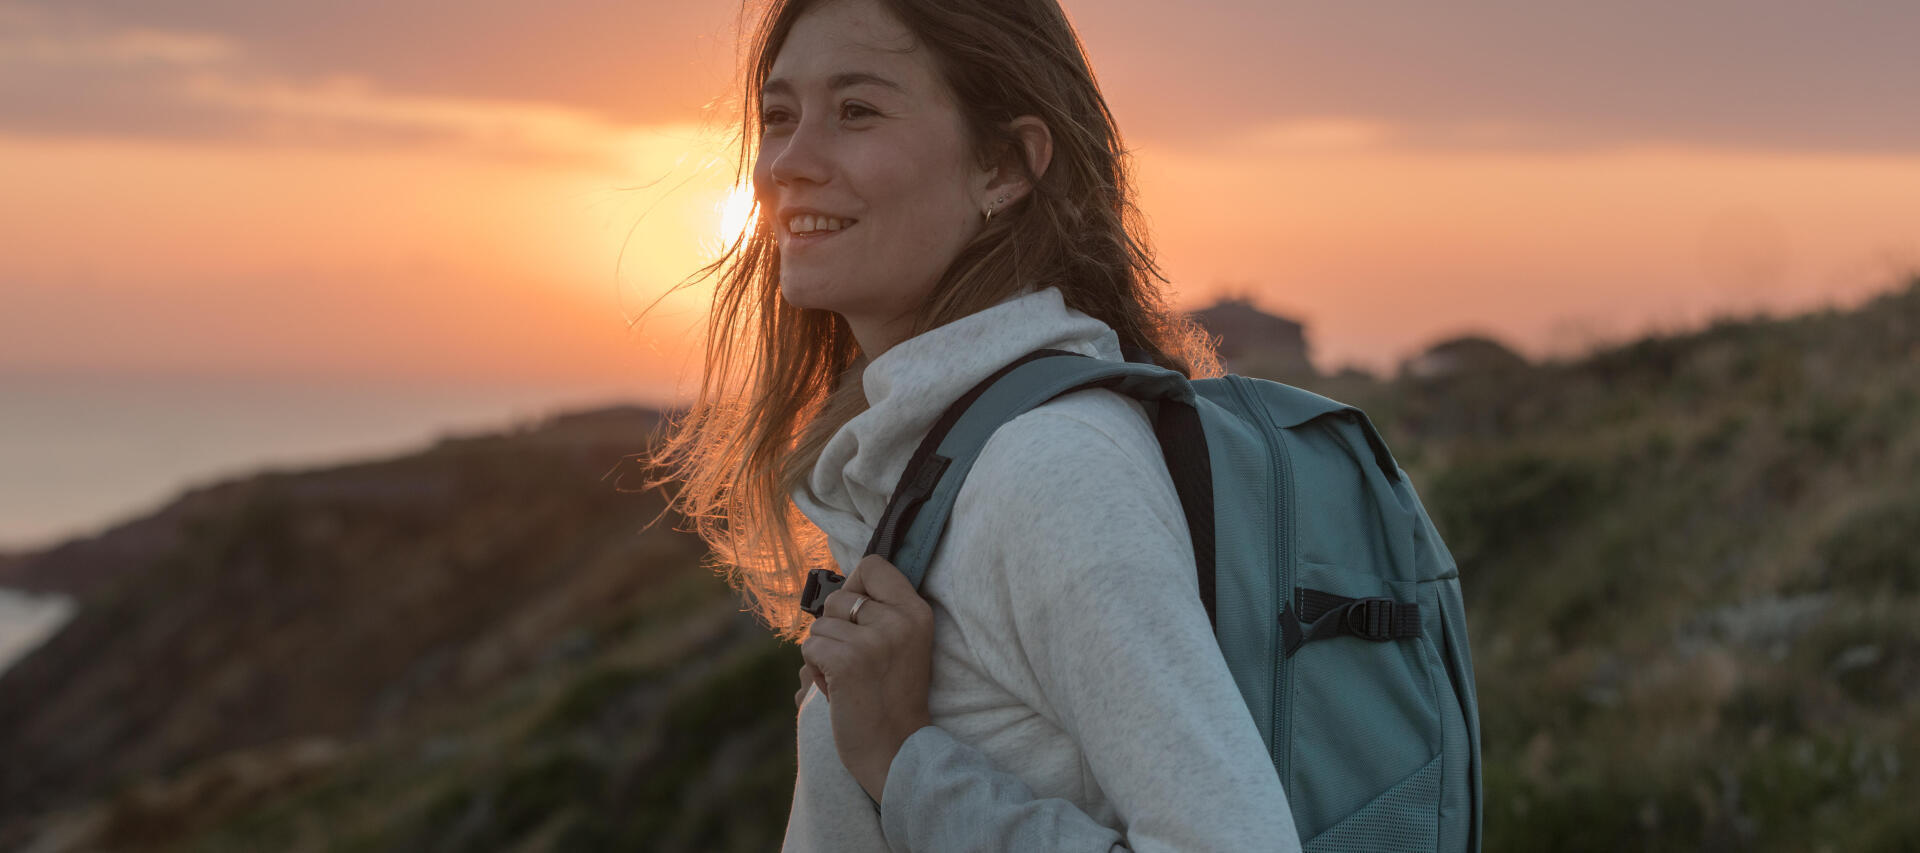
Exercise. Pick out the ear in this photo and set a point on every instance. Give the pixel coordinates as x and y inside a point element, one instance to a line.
<point>1006,179</point>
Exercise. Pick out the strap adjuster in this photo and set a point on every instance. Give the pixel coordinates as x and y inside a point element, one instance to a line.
<point>1371,619</point>
<point>1323,615</point>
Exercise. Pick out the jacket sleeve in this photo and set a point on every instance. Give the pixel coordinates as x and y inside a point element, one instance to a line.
<point>1087,531</point>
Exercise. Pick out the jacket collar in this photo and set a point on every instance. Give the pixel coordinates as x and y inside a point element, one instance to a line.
<point>907,388</point>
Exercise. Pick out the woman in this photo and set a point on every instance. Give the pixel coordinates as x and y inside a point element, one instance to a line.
<point>941,189</point>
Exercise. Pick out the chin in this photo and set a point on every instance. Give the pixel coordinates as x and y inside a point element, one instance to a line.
<point>806,293</point>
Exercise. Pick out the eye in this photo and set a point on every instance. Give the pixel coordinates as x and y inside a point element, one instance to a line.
<point>851,110</point>
<point>773,117</point>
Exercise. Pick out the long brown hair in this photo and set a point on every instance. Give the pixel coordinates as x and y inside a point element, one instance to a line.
<point>780,381</point>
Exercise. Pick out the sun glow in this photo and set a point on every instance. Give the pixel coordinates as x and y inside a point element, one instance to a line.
<point>736,215</point>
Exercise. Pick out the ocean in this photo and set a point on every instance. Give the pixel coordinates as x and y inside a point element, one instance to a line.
<point>79,453</point>
<point>26,620</point>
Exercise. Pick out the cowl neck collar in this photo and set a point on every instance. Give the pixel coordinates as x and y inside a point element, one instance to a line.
<point>909,385</point>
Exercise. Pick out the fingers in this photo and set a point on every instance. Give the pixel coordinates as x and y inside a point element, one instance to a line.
<point>894,616</point>
<point>839,605</point>
<point>809,676</point>
<point>813,650</point>
<point>825,654</point>
<point>836,628</point>
<point>860,580</point>
<point>882,581</point>
<point>871,566</point>
<point>878,579</point>
<point>855,583</point>
<point>881,627</point>
<point>893,605</point>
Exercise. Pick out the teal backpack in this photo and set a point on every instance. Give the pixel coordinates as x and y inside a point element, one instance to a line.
<point>1334,601</point>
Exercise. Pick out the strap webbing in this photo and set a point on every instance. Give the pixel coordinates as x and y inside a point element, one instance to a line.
<point>924,467</point>
<point>1177,427</point>
<point>1319,615</point>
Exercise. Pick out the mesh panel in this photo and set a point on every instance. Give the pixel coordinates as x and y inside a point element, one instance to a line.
<point>1405,818</point>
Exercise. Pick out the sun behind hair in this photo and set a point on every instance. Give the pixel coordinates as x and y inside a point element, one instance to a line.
<point>779,381</point>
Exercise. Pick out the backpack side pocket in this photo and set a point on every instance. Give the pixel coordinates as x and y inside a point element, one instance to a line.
<point>1367,727</point>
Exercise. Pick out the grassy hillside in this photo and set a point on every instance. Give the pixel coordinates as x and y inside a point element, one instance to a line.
<point>1693,576</point>
<point>1690,565</point>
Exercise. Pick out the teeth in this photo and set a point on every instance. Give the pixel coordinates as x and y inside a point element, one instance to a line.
<point>808,223</point>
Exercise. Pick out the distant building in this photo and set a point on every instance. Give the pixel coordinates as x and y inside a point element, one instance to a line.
<point>1468,354</point>
<point>1255,342</point>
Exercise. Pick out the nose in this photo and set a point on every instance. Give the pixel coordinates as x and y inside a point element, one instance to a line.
<point>801,156</point>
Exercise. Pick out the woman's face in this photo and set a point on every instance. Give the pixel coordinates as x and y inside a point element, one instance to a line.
<point>864,170</point>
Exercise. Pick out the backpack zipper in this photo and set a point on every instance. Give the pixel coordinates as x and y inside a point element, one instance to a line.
<point>1282,756</point>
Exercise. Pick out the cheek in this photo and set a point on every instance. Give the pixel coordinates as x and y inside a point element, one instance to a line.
<point>926,205</point>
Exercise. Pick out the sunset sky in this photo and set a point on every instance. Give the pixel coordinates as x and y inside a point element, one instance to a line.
<point>491,191</point>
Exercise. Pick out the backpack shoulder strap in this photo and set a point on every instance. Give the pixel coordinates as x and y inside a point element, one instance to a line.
<point>916,516</point>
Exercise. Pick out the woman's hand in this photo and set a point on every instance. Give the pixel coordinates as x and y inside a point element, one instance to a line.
<point>874,671</point>
<point>809,676</point>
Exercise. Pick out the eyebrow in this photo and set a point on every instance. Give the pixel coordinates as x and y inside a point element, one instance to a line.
<point>845,79</point>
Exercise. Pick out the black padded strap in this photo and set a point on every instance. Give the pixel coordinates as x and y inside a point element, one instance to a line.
<point>1183,441</point>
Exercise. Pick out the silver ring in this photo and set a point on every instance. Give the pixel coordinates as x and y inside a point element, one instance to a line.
<point>856,610</point>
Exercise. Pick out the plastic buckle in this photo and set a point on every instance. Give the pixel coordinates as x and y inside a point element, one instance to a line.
<point>820,584</point>
<point>1371,619</point>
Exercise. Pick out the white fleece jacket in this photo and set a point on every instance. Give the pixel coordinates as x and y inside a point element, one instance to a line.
<point>1079,700</point>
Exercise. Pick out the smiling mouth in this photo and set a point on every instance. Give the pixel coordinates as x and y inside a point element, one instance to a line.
<point>808,226</point>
